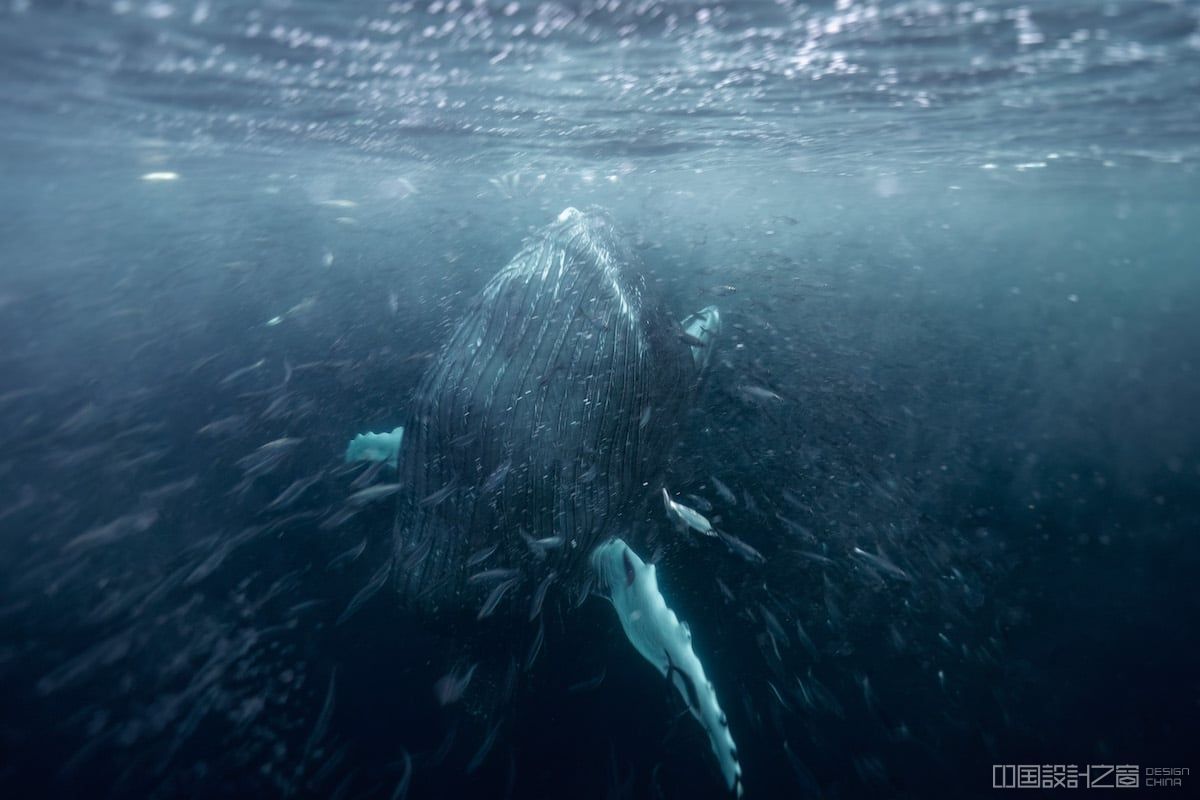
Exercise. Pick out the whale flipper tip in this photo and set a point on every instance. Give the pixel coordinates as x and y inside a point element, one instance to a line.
<point>376,446</point>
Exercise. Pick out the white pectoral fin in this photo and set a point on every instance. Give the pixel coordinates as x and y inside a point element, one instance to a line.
<point>665,642</point>
<point>376,446</point>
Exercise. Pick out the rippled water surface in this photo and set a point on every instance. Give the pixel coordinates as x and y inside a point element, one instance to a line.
<point>953,404</point>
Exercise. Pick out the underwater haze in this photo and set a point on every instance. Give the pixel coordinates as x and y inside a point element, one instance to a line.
<point>948,435</point>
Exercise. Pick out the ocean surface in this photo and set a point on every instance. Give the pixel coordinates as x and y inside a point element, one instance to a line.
<point>954,405</point>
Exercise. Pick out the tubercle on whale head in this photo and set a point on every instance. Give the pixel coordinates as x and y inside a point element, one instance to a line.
<point>595,224</point>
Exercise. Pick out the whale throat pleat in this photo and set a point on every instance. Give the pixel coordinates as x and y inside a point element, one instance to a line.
<point>551,373</point>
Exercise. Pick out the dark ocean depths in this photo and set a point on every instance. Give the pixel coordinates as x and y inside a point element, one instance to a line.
<point>955,247</point>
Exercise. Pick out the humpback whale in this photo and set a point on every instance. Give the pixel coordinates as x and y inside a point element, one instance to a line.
<point>532,441</point>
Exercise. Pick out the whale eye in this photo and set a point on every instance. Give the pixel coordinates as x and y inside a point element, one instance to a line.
<point>629,573</point>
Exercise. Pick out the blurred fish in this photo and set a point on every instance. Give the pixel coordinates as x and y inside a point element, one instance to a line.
<point>278,407</point>
<point>17,394</point>
<point>808,783</point>
<point>338,518</point>
<point>119,528</point>
<point>266,458</point>
<point>758,394</point>
<point>539,546</point>
<point>795,528</point>
<point>133,462</point>
<point>779,697</point>
<point>210,565</point>
<point>536,646</point>
<point>304,305</point>
<point>450,688</point>
<point>107,652</point>
<point>28,495</point>
<point>88,416</point>
<point>482,753</point>
<point>773,625</point>
<point>882,564</point>
<point>868,696</point>
<point>292,493</point>
<point>723,491</point>
<point>494,574</point>
<point>805,641</point>
<point>75,456</point>
<point>685,517</point>
<point>224,426</point>
<point>144,429</point>
<point>367,592</point>
<point>369,474</point>
<point>237,373</point>
<point>401,790</point>
<point>588,684</point>
<point>322,723</point>
<point>342,559</point>
<point>370,495</point>
<point>794,499</point>
<point>741,549</point>
<point>479,556</point>
<point>539,595</point>
<point>497,477</point>
<point>437,497</point>
<point>493,600</point>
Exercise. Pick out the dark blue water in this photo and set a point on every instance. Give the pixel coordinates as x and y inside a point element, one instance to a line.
<point>957,241</point>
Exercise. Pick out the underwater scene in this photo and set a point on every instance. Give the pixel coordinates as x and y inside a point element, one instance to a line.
<point>604,399</point>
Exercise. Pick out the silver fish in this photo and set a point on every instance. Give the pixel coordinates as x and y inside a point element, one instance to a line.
<point>237,373</point>
<point>493,600</point>
<point>723,491</point>
<point>373,493</point>
<point>292,493</point>
<point>882,563</point>
<point>367,592</point>
<point>741,549</point>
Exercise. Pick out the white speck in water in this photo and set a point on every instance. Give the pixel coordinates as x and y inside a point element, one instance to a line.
<point>158,11</point>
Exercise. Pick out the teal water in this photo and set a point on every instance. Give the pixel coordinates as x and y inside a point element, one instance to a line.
<point>957,241</point>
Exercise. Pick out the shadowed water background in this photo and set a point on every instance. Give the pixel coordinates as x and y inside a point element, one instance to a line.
<point>958,242</point>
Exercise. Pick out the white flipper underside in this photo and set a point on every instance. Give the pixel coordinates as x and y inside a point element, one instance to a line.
<point>376,446</point>
<point>665,642</point>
